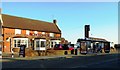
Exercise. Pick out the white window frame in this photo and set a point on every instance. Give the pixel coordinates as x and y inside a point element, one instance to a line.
<point>51,34</point>
<point>17,31</point>
<point>27,32</point>
<point>39,47</point>
<point>43,33</point>
<point>36,32</point>
<point>54,42</point>
<point>21,39</point>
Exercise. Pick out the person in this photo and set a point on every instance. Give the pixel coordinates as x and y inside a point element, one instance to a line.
<point>94,47</point>
<point>101,49</point>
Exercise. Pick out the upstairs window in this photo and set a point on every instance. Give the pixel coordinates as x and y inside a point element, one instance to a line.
<point>51,34</point>
<point>27,32</point>
<point>17,31</point>
<point>35,32</point>
<point>43,33</point>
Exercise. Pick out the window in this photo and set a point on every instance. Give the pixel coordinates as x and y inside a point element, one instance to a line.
<point>54,42</point>
<point>35,32</point>
<point>51,44</point>
<point>20,41</point>
<point>51,34</point>
<point>17,31</point>
<point>27,32</point>
<point>43,43</point>
<point>40,43</point>
<point>37,44</point>
<point>43,32</point>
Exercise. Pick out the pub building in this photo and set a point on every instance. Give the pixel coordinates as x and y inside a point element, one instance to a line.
<point>93,45</point>
<point>1,38</point>
<point>37,34</point>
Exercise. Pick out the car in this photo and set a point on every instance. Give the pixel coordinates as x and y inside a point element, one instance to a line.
<point>61,47</point>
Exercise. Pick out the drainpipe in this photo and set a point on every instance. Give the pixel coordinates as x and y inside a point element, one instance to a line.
<point>3,39</point>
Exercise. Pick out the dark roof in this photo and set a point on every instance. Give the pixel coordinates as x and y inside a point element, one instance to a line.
<point>93,38</point>
<point>29,24</point>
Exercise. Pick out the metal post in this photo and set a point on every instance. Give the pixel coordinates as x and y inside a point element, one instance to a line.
<point>12,54</point>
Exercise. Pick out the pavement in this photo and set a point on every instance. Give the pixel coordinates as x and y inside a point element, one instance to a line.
<point>10,59</point>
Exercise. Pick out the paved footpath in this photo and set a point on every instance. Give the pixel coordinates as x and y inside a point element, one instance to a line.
<point>7,59</point>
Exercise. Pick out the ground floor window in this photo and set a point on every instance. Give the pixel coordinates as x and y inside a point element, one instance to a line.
<point>43,43</point>
<point>37,43</point>
<point>20,41</point>
<point>53,42</point>
<point>40,44</point>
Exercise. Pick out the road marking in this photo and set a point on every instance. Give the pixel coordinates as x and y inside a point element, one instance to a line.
<point>86,65</point>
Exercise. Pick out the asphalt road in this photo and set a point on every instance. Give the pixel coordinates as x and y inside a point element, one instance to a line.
<point>100,61</point>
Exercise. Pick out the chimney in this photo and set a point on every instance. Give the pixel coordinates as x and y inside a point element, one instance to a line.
<point>87,29</point>
<point>55,21</point>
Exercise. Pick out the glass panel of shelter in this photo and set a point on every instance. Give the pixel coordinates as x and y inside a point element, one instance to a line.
<point>90,46</point>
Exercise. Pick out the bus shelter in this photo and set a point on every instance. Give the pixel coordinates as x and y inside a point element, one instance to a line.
<point>93,46</point>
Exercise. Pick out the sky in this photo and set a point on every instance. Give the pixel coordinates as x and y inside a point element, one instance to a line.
<point>60,0</point>
<point>71,17</point>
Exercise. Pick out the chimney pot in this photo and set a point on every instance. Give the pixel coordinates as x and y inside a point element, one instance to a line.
<point>55,21</point>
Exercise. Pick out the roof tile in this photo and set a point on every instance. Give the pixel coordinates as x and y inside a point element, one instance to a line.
<point>29,24</point>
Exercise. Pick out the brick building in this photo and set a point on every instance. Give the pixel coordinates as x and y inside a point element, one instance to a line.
<point>1,38</point>
<point>39,35</point>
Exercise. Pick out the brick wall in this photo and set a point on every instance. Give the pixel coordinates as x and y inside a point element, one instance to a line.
<point>9,33</point>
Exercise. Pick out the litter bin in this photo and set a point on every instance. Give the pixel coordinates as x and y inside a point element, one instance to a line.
<point>22,50</point>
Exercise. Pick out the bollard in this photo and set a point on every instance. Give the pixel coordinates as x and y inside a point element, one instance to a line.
<point>65,53</point>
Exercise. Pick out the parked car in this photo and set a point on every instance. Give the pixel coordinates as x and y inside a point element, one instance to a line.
<point>71,46</point>
<point>58,47</point>
<point>61,47</point>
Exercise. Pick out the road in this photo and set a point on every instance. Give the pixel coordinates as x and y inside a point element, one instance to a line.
<point>99,61</point>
